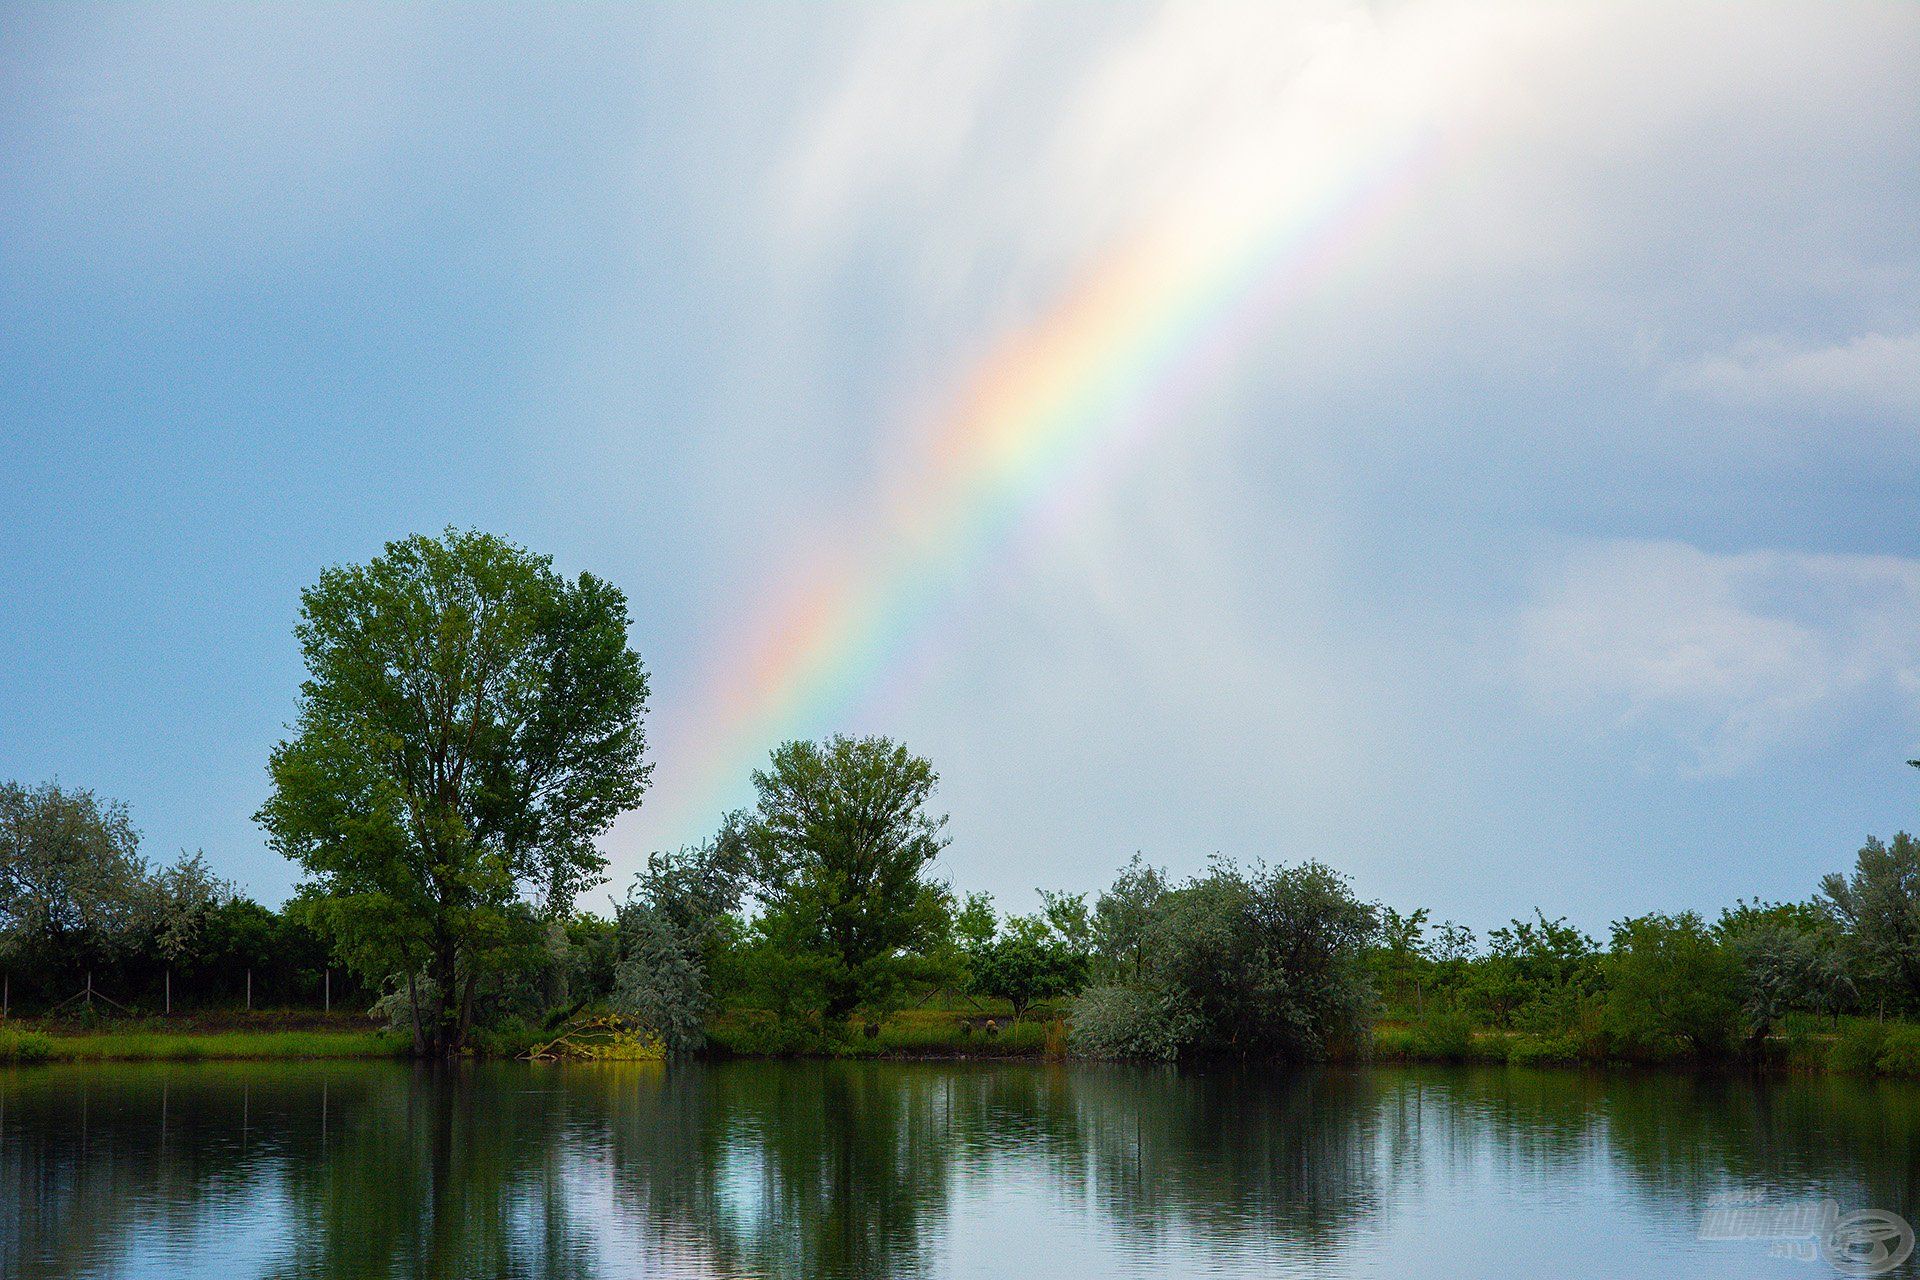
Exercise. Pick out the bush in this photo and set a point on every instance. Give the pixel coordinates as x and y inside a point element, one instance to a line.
<point>1394,1044</point>
<point>1267,963</point>
<point>1541,1051</point>
<point>761,1035</point>
<point>1857,1049</point>
<point>1444,1035</point>
<point>1798,1049</point>
<point>24,1046</point>
<point>1673,989</point>
<point>1900,1052</point>
<point>1127,1022</point>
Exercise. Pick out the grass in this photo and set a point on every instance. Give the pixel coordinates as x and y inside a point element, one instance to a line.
<point>1845,1046</point>
<point>174,1046</point>
<point>910,1033</point>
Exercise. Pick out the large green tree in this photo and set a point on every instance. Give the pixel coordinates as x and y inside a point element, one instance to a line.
<point>840,843</point>
<point>470,722</point>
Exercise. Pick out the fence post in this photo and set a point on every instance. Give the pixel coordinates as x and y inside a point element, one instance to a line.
<point>329,990</point>
<point>249,989</point>
<point>169,990</point>
<point>89,988</point>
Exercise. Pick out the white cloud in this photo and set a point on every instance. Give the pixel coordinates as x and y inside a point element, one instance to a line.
<point>1873,373</point>
<point>1723,657</point>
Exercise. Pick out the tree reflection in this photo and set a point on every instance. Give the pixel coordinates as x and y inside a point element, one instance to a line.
<point>857,1169</point>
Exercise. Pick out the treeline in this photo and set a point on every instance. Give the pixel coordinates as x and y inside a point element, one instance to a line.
<point>472,721</point>
<point>809,919</point>
<point>1763,980</point>
<point>87,924</point>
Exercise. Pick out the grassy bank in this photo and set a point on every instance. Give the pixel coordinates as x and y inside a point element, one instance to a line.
<point>917,1033</point>
<point>1850,1046</point>
<point>22,1045</point>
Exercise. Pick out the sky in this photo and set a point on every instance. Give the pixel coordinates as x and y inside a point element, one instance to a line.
<point>1472,444</point>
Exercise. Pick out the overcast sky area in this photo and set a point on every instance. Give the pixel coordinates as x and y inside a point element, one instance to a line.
<point>1558,545</point>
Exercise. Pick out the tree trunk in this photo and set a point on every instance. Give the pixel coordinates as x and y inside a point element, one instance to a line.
<point>466,1006</point>
<point>420,1046</point>
<point>448,1039</point>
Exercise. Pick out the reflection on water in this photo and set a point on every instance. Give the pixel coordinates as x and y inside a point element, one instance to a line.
<point>842,1169</point>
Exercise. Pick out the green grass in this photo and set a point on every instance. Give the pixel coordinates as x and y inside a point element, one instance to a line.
<point>163,1046</point>
<point>913,1033</point>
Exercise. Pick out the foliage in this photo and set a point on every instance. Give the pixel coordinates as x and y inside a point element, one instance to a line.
<point>1068,922</point>
<point>471,721</point>
<point>1444,1035</point>
<point>1267,963</point>
<point>165,1046</point>
<point>1130,1021</point>
<point>71,876</point>
<point>1123,920</point>
<point>1539,1051</point>
<point>1400,961</point>
<point>1789,959</point>
<point>674,919</point>
<point>976,922</point>
<point>1670,985</point>
<point>1538,975</point>
<point>1878,911</point>
<point>1900,1052</point>
<point>180,903</point>
<point>1028,961</point>
<point>24,1046</point>
<point>1857,1048</point>
<point>840,844</point>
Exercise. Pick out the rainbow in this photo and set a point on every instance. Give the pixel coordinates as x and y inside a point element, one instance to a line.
<point>1149,329</point>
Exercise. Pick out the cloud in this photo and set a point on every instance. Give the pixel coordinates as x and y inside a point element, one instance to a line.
<point>1721,658</point>
<point>1872,373</point>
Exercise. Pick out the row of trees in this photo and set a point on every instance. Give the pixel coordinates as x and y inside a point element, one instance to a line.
<point>472,722</point>
<point>819,905</point>
<point>1672,984</point>
<point>81,910</point>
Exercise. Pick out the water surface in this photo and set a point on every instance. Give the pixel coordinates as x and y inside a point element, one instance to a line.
<point>961,1170</point>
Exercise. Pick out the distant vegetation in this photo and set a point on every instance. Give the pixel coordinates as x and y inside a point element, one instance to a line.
<point>472,722</point>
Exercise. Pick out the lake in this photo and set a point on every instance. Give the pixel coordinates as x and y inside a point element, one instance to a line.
<point>941,1169</point>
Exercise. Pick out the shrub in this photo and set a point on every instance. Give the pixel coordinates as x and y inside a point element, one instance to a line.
<point>764,1036</point>
<point>1540,1051</point>
<point>1394,1044</point>
<point>1672,988</point>
<point>1444,1035</point>
<point>1128,1022</point>
<point>1798,1048</point>
<point>24,1046</point>
<point>1900,1052</point>
<point>1857,1049</point>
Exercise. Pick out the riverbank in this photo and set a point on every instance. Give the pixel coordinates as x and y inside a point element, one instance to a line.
<point>1847,1046</point>
<point>191,1040</point>
<point>1853,1046</point>
<point>914,1033</point>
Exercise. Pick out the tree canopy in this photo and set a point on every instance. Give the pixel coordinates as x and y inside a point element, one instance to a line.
<point>471,721</point>
<point>71,875</point>
<point>840,842</point>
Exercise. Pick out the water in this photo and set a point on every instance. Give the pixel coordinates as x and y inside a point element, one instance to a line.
<point>886,1170</point>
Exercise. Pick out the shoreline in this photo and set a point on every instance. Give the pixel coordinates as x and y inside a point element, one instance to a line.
<point>1869,1051</point>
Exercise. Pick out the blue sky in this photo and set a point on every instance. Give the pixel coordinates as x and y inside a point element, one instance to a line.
<point>1561,550</point>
